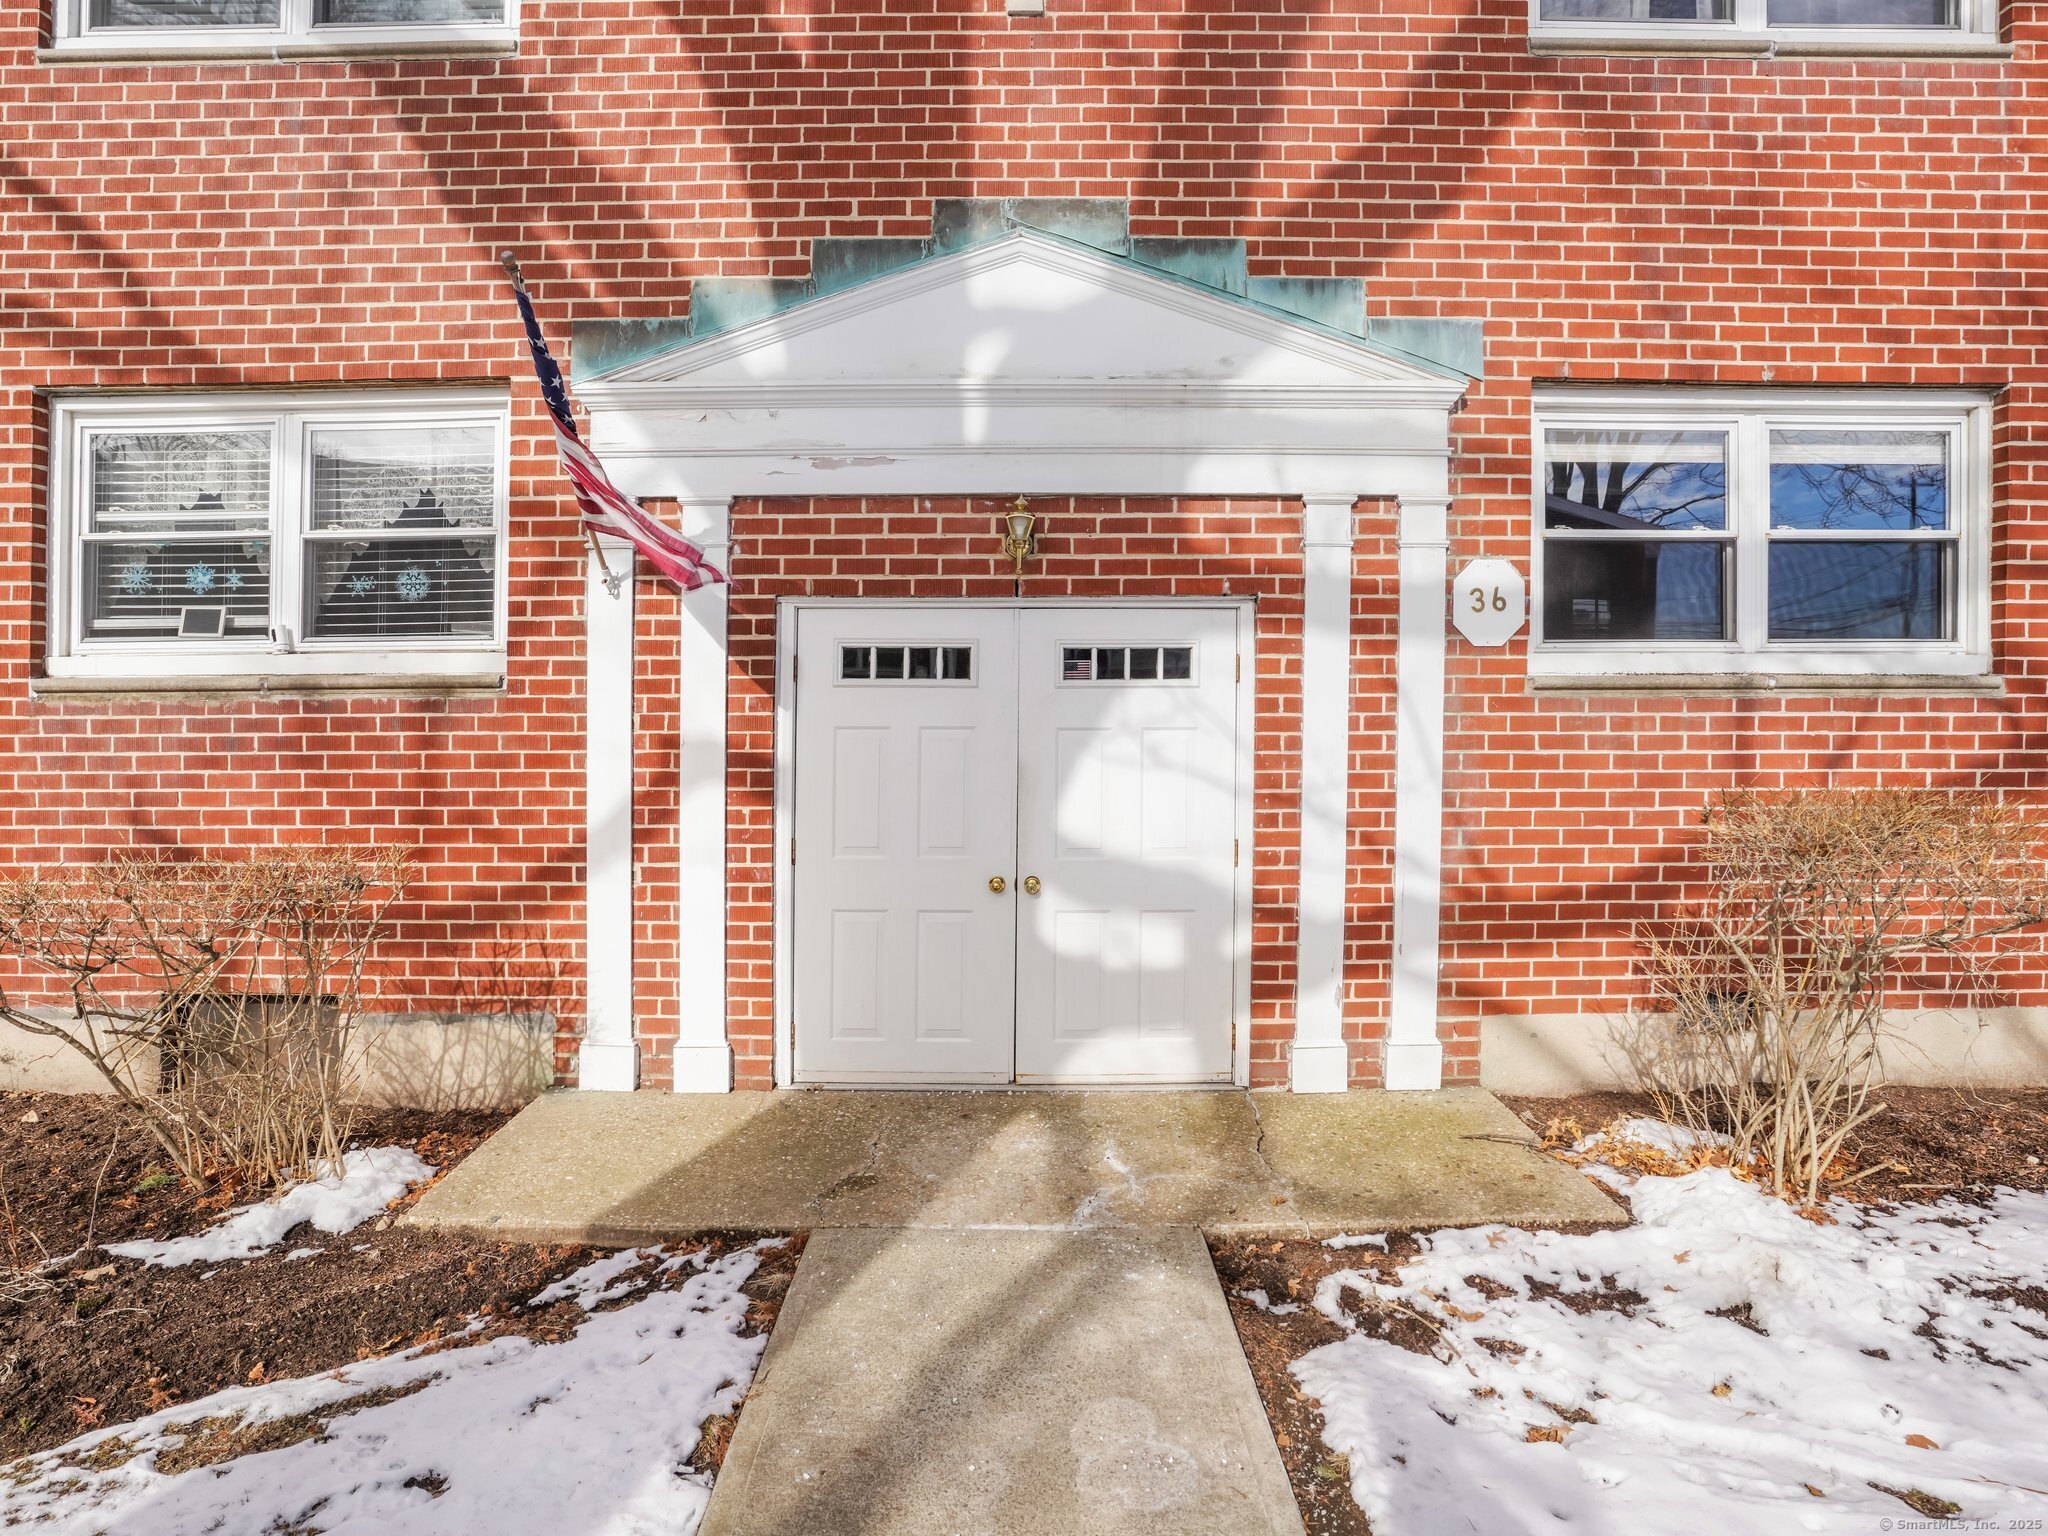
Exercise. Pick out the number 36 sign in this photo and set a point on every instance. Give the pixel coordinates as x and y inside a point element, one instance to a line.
<point>1488,601</point>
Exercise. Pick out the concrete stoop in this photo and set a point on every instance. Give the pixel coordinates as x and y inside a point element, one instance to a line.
<point>1003,1384</point>
<point>641,1167</point>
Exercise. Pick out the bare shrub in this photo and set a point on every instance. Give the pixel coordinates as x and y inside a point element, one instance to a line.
<point>1768,993</point>
<point>214,995</point>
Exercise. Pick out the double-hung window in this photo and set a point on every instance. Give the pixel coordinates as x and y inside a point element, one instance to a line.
<point>359,534</point>
<point>283,26</point>
<point>1685,533</point>
<point>1766,26</point>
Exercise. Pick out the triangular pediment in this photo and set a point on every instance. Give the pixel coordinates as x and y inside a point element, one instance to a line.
<point>1029,312</point>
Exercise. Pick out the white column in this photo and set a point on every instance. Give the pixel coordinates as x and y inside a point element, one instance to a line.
<point>1319,1062</point>
<point>703,1059</point>
<point>610,1058</point>
<point>1415,1056</point>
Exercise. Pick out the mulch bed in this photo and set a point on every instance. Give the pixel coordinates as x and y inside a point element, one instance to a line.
<point>1288,1271</point>
<point>1930,1143</point>
<point>107,1340</point>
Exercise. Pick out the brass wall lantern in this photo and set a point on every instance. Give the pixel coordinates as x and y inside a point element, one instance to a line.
<point>1020,535</point>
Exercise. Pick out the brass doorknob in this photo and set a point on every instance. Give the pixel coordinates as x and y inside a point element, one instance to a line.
<point>998,884</point>
<point>1031,885</point>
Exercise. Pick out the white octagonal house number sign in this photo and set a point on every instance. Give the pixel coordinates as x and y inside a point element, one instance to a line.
<point>1489,601</point>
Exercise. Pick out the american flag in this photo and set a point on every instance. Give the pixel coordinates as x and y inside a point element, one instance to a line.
<point>606,509</point>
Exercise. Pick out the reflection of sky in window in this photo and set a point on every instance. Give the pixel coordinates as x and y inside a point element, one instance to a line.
<point>1893,497</point>
<point>1600,478</point>
<point>1850,590</point>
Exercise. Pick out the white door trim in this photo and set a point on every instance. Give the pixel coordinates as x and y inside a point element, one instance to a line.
<point>787,610</point>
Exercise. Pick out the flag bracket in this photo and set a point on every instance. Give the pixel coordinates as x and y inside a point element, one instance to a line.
<point>614,584</point>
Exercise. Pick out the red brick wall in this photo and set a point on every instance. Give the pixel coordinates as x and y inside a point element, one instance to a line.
<point>937,547</point>
<point>1792,221</point>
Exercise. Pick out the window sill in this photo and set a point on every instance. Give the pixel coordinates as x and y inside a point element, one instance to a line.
<point>1753,45</point>
<point>433,684</point>
<point>89,50</point>
<point>1767,682</point>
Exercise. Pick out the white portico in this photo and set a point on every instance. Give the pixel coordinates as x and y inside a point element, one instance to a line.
<point>1022,362</point>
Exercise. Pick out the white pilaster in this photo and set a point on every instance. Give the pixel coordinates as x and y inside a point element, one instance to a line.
<point>610,1058</point>
<point>1415,1056</point>
<point>1318,1061</point>
<point>703,1058</point>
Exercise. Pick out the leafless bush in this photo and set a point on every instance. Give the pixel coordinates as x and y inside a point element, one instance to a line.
<point>214,995</point>
<point>1768,994</point>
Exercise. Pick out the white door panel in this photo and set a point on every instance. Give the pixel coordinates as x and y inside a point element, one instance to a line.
<point>905,806</point>
<point>1126,793</point>
<point>1092,749</point>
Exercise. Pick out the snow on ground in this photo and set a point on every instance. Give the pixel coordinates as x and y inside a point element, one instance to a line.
<point>369,1181</point>
<point>592,1435</point>
<point>1876,1358</point>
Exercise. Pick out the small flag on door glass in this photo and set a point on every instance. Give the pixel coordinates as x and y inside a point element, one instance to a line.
<point>1077,665</point>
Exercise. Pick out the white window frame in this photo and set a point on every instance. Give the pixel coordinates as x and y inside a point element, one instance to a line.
<point>1749,31</point>
<point>1748,417</point>
<point>285,653</point>
<point>298,32</point>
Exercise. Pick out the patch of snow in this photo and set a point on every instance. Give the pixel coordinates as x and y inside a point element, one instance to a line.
<point>591,1435</point>
<point>1697,1421</point>
<point>369,1181</point>
<point>599,1280</point>
<point>1676,1141</point>
<point>1257,1297</point>
<point>1357,1240</point>
<point>303,1253</point>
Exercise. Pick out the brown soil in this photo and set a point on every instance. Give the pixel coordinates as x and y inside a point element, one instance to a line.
<point>1289,1271</point>
<point>98,1340</point>
<point>73,1172</point>
<point>1929,1142</point>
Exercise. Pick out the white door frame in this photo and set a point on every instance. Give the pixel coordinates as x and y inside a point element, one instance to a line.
<point>788,612</point>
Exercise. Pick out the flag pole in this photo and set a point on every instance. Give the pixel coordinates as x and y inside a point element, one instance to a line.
<point>611,583</point>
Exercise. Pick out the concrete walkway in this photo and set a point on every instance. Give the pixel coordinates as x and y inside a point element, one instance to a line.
<point>627,1168</point>
<point>1006,1321</point>
<point>1004,1384</point>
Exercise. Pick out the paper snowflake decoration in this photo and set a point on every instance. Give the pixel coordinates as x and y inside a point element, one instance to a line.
<point>413,583</point>
<point>199,579</point>
<point>234,581</point>
<point>360,586</point>
<point>135,578</point>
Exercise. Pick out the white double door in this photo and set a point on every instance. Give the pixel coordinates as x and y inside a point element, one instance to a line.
<point>1014,851</point>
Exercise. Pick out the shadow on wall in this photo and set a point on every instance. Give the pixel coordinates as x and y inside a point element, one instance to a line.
<point>439,1061</point>
<point>1555,1054</point>
<point>433,1061</point>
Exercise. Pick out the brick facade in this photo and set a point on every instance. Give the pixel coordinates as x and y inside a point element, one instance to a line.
<point>1092,549</point>
<point>245,224</point>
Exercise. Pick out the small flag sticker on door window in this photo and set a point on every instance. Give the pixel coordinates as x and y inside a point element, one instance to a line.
<point>1077,664</point>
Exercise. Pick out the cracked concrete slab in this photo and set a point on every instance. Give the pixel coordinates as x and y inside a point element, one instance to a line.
<point>628,1168</point>
<point>1049,1383</point>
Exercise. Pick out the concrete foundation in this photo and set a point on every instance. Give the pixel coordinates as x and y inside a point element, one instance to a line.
<point>415,1060</point>
<point>32,1062</point>
<point>1562,1053</point>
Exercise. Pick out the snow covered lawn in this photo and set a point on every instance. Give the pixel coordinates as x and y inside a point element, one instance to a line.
<point>1723,1365</point>
<point>589,1435</point>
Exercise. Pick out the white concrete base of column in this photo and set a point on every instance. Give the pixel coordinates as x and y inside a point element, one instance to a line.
<point>703,1068</point>
<point>1417,1065</point>
<point>608,1068</point>
<point>1322,1066</point>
